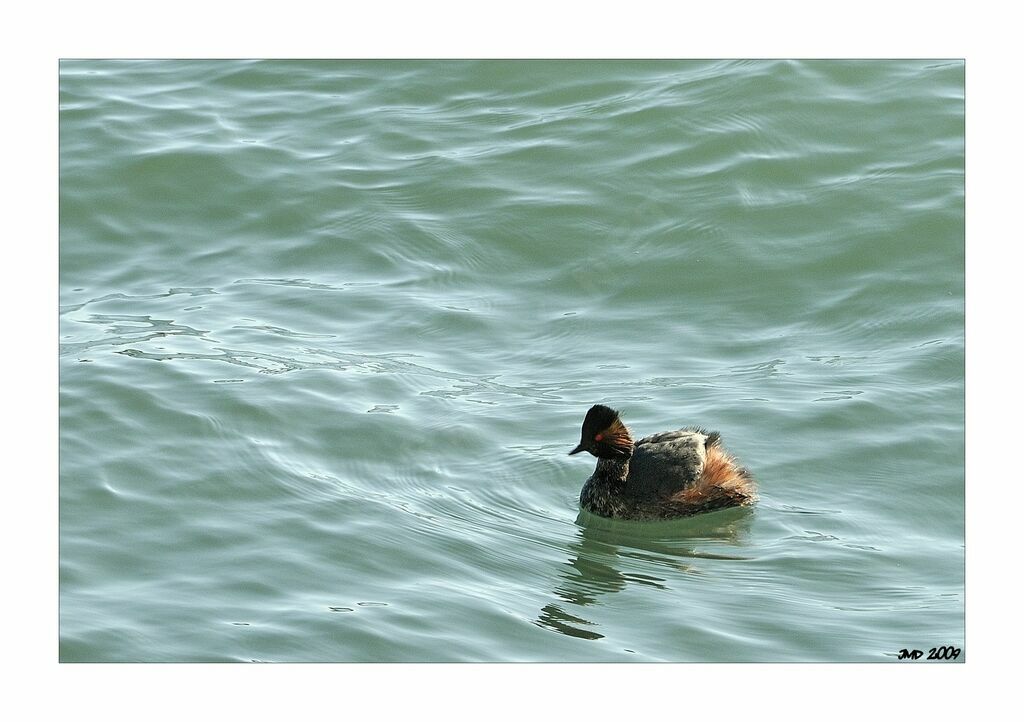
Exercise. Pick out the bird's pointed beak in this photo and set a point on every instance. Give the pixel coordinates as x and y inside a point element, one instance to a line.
<point>578,449</point>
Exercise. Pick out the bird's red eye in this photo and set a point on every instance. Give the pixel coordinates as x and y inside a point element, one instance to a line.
<point>598,437</point>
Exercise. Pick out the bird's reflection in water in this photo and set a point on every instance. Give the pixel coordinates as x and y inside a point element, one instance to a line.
<point>605,549</point>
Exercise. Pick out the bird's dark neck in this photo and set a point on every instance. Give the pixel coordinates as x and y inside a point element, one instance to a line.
<point>603,492</point>
<point>612,472</point>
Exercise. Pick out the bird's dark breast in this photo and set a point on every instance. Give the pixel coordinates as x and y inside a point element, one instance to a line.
<point>601,498</point>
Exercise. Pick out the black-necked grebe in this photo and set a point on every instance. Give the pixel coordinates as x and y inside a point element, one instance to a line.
<point>667,475</point>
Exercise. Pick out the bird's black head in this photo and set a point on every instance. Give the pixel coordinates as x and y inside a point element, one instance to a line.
<point>604,435</point>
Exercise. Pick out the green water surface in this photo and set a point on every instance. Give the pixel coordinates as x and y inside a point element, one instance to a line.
<point>328,331</point>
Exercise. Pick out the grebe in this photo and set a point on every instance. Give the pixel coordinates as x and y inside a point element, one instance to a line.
<point>667,475</point>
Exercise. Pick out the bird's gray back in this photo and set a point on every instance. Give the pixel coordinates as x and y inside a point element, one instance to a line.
<point>665,463</point>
